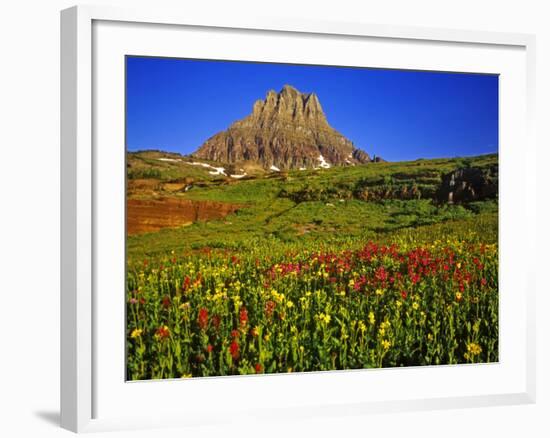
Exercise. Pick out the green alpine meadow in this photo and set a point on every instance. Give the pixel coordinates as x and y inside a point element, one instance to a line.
<point>276,245</point>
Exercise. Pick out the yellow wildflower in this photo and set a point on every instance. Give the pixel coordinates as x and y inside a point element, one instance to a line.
<point>473,348</point>
<point>386,344</point>
<point>255,331</point>
<point>136,333</point>
<point>279,297</point>
<point>371,317</point>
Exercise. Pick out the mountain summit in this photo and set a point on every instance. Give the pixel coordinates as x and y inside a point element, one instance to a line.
<point>286,130</point>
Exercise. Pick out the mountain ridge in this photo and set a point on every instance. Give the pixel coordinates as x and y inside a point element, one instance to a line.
<point>285,130</point>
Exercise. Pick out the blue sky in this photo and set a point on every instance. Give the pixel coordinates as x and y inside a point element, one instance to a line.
<point>177,104</point>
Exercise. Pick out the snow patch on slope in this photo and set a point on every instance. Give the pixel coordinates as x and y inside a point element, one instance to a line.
<point>217,171</point>
<point>171,160</point>
<point>214,171</point>
<point>324,163</point>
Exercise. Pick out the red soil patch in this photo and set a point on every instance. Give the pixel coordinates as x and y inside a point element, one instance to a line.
<point>143,216</point>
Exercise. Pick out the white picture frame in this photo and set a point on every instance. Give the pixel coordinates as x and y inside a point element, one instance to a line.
<point>83,173</point>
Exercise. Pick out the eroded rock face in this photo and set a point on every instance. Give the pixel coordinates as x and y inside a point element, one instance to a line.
<point>468,184</point>
<point>288,130</point>
<point>148,215</point>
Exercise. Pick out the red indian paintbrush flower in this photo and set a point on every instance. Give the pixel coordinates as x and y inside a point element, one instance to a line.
<point>203,318</point>
<point>258,368</point>
<point>163,332</point>
<point>269,308</point>
<point>243,316</point>
<point>234,350</point>
<point>216,321</point>
<point>381,274</point>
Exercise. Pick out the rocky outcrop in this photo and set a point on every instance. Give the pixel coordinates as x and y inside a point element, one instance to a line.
<point>286,130</point>
<point>468,184</point>
<point>149,215</point>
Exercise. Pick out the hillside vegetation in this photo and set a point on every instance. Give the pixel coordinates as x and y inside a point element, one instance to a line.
<point>342,268</point>
<point>302,207</point>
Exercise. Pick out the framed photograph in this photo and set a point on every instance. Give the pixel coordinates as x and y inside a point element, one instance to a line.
<point>271,218</point>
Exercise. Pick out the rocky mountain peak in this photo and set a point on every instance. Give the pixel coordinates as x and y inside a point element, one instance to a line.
<point>289,104</point>
<point>286,130</point>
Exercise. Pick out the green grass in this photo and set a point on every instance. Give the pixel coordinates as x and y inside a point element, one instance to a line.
<point>271,215</point>
<point>226,297</point>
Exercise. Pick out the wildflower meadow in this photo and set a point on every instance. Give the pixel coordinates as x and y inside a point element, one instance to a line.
<point>214,312</point>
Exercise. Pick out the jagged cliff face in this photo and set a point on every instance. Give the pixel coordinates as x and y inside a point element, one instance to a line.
<point>286,130</point>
